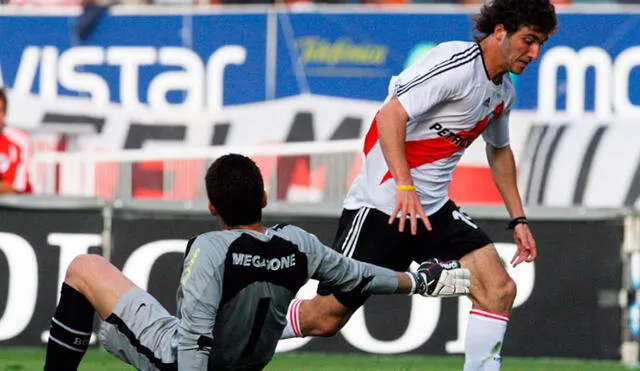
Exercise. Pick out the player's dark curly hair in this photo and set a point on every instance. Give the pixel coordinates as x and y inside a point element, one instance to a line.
<point>539,15</point>
<point>235,188</point>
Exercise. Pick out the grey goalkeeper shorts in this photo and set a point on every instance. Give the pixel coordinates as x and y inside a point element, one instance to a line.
<point>141,332</point>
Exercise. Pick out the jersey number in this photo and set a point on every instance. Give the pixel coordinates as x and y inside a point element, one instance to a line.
<point>258,323</point>
<point>460,215</point>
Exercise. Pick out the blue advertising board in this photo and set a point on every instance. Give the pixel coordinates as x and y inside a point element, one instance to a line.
<point>355,55</point>
<point>128,56</point>
<point>218,59</point>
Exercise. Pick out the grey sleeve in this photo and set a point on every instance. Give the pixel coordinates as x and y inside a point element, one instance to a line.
<point>198,300</point>
<point>328,266</point>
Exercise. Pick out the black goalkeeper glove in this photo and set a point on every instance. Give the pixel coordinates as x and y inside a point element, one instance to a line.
<point>435,278</point>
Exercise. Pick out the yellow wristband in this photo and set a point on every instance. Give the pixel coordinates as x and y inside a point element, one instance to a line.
<point>406,187</point>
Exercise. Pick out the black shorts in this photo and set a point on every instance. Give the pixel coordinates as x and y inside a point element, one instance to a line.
<point>365,235</point>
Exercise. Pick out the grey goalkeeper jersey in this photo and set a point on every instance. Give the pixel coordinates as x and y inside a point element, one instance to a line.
<point>236,286</point>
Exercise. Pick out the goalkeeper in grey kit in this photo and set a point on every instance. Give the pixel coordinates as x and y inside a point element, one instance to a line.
<point>235,288</point>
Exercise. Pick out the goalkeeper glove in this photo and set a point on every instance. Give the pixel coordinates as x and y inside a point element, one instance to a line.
<point>435,278</point>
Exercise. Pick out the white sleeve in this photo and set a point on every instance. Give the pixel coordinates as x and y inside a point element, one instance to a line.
<point>497,132</point>
<point>421,93</point>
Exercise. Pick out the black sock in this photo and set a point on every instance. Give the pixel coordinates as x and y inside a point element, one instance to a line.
<point>70,331</point>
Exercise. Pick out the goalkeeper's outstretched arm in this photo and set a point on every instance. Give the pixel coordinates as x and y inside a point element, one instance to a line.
<point>433,278</point>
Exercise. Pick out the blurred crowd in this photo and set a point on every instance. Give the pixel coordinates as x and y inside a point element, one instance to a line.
<point>291,2</point>
<point>419,1</point>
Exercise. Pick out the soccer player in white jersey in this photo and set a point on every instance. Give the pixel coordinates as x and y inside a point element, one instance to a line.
<point>433,112</point>
<point>234,291</point>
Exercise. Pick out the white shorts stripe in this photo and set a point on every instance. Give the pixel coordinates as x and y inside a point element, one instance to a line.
<point>352,245</point>
<point>354,222</point>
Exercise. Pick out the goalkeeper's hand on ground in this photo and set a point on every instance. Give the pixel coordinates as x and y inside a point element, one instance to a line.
<point>435,278</point>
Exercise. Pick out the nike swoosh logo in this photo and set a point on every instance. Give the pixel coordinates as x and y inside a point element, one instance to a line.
<point>140,307</point>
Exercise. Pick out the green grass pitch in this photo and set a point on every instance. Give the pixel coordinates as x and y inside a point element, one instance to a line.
<point>31,359</point>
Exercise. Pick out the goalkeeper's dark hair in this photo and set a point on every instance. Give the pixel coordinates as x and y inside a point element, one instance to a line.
<point>235,188</point>
<point>539,15</point>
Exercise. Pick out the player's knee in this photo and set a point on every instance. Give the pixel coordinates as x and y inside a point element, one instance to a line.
<point>509,290</point>
<point>496,295</point>
<point>505,293</point>
<point>82,266</point>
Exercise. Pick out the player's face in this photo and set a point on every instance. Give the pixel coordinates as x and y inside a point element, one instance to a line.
<point>522,47</point>
<point>3,110</point>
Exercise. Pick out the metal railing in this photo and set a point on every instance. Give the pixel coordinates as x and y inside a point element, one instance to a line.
<point>293,172</point>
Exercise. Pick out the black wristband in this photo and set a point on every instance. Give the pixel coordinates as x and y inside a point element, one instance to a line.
<point>515,221</point>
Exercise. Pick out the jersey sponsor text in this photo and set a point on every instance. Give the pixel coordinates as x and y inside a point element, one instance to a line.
<point>270,264</point>
<point>452,137</point>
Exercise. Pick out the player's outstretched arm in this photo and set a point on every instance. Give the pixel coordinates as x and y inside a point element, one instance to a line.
<point>435,278</point>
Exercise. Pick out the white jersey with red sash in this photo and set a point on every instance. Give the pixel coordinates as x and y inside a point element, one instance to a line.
<point>450,102</point>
